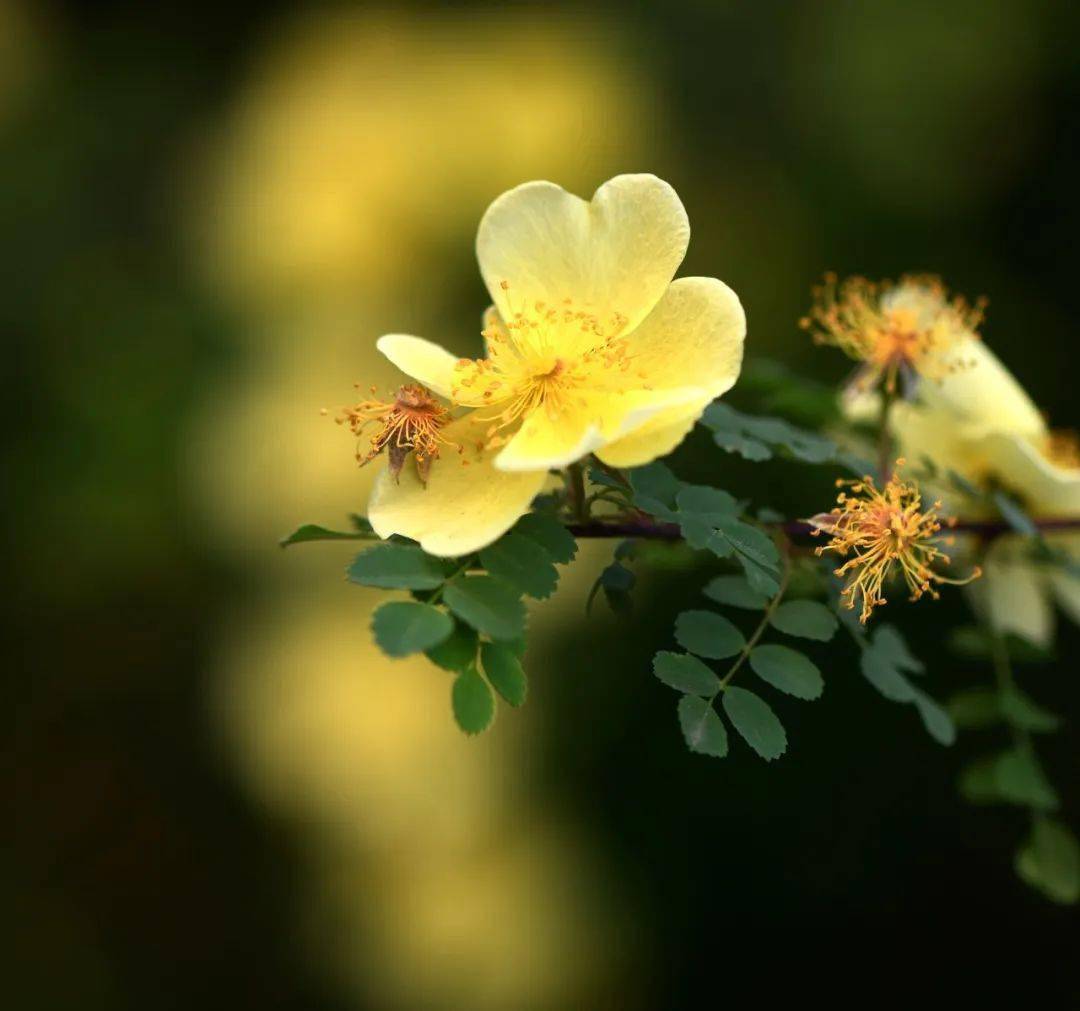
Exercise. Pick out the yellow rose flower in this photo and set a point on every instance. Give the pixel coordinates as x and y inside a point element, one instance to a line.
<point>591,348</point>
<point>981,424</point>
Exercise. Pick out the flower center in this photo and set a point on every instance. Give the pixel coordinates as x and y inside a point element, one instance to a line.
<point>545,357</point>
<point>892,328</point>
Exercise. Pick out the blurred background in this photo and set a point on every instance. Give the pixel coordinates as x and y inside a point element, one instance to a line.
<point>224,796</point>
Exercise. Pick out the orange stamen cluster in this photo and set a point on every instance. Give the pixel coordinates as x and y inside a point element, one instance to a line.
<point>411,422</point>
<point>892,327</point>
<point>543,357</point>
<point>881,529</point>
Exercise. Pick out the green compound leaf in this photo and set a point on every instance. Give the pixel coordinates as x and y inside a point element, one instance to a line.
<point>550,534</point>
<point>685,673</point>
<point>805,618</point>
<point>397,567</point>
<point>472,701</point>
<point>488,604</point>
<point>708,634</point>
<point>1020,780</point>
<point>313,532</point>
<point>458,651</point>
<point>701,727</point>
<point>736,591</point>
<point>405,627</point>
<point>1050,861</point>
<point>654,488</point>
<point>755,722</point>
<point>523,563</point>
<point>754,437</point>
<point>1026,714</point>
<point>705,503</point>
<point>503,669</point>
<point>787,670</point>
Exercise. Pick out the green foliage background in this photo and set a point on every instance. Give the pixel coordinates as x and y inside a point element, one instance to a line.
<point>878,138</point>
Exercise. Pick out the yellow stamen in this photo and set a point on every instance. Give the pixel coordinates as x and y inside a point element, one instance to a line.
<point>892,327</point>
<point>543,357</point>
<point>880,529</point>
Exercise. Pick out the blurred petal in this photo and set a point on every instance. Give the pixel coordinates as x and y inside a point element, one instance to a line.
<point>1046,489</point>
<point>616,253</point>
<point>982,393</point>
<point>1015,595</point>
<point>466,504</point>
<point>421,359</point>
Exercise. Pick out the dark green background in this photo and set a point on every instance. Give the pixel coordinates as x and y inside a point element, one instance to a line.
<point>939,136</point>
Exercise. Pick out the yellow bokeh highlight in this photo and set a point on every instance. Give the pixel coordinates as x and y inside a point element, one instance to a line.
<point>336,201</point>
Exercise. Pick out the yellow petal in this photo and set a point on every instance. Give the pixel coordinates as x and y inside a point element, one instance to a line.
<point>1046,489</point>
<point>982,394</point>
<point>616,253</point>
<point>656,438</point>
<point>544,442</point>
<point>421,359</point>
<point>694,337</point>
<point>1015,595</point>
<point>467,503</point>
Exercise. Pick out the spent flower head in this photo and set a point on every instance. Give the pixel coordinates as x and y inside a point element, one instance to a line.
<point>908,329</point>
<point>409,423</point>
<point>879,530</point>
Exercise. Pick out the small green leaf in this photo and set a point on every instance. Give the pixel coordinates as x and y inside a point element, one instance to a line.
<point>755,722</point>
<point>889,642</point>
<point>521,562</point>
<point>313,532</point>
<point>763,580</point>
<point>488,604</point>
<point>706,503</point>
<point>735,591</point>
<point>805,618</point>
<point>938,723</point>
<point>748,448</point>
<point>755,544</point>
<point>975,708</point>
<point>1050,861</point>
<point>685,673</point>
<point>655,488</point>
<point>472,701</point>
<point>458,651</point>
<point>880,672</point>
<point>708,634</point>
<point>504,671</point>
<point>701,727</point>
<point>397,567</point>
<point>1022,712</point>
<point>787,670</point>
<point>550,534</point>
<point>405,627</point>
<point>1020,780</point>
